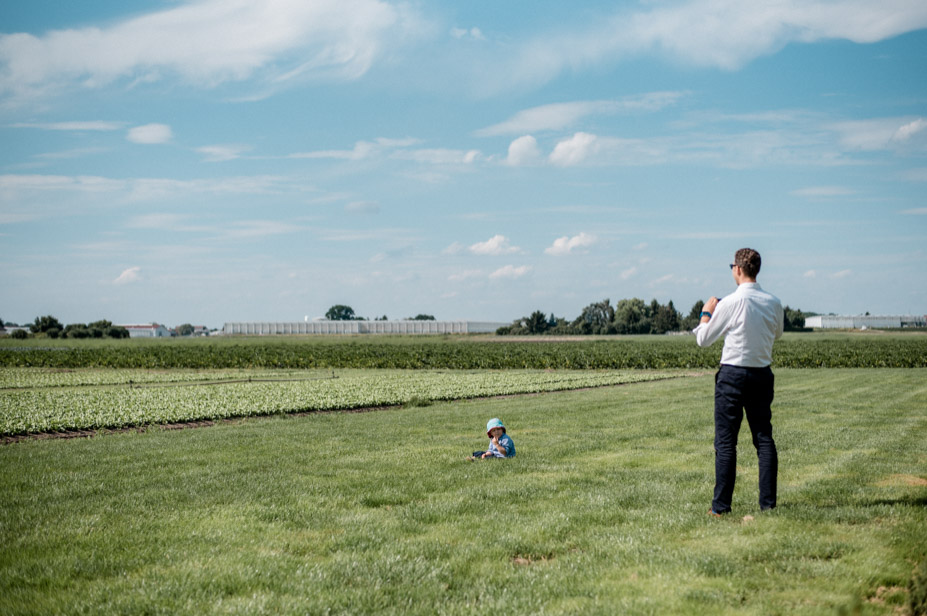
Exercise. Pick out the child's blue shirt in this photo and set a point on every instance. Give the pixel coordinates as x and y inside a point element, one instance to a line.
<point>507,447</point>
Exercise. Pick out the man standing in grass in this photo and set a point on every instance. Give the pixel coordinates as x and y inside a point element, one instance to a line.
<point>750,319</point>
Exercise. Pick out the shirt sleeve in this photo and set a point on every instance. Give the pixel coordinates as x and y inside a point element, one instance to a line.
<point>780,322</point>
<point>706,334</point>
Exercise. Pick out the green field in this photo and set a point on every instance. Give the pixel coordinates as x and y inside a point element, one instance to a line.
<point>815,350</point>
<point>603,511</point>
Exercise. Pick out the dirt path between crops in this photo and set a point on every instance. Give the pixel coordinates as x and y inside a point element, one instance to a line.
<point>185,425</point>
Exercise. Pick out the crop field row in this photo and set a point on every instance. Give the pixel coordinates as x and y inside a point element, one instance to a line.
<point>21,378</point>
<point>459,353</point>
<point>44,408</point>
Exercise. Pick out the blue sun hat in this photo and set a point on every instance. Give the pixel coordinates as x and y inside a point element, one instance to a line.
<point>495,422</point>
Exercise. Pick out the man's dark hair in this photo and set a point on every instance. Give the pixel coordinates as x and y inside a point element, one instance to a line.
<point>749,261</point>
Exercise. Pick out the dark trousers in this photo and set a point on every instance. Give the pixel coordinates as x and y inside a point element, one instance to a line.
<point>738,390</point>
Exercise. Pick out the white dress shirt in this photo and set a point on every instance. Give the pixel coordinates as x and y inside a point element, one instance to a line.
<point>750,319</point>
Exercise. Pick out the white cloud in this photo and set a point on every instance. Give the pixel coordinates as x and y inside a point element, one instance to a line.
<point>574,150</point>
<point>842,273</point>
<point>221,153</point>
<point>150,134</point>
<point>128,276</point>
<point>558,116</point>
<point>640,246</point>
<point>463,33</point>
<point>910,129</point>
<point>662,279</point>
<point>362,149</point>
<point>566,245</point>
<point>726,34</point>
<point>918,211</point>
<point>453,249</point>
<point>510,271</point>
<point>210,42</point>
<point>465,275</point>
<point>625,274</point>
<point>496,245</point>
<point>523,151</point>
<point>822,191</point>
<point>245,229</point>
<point>881,134</point>
<point>363,207</point>
<point>810,274</point>
<point>73,126</point>
<point>82,183</point>
<point>438,156</point>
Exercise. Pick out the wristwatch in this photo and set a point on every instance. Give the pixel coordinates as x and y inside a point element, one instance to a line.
<point>705,313</point>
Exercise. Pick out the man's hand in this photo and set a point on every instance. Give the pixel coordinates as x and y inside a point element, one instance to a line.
<point>709,306</point>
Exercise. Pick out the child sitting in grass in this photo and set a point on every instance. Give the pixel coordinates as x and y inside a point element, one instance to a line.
<point>500,443</point>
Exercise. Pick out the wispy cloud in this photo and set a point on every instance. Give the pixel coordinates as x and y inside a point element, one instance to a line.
<point>510,271</point>
<point>439,156</point>
<point>918,211</point>
<point>822,191</point>
<point>132,274</point>
<point>558,116</point>
<point>73,126</point>
<point>221,153</point>
<point>150,134</point>
<point>710,33</point>
<point>362,207</point>
<point>208,43</point>
<point>566,245</point>
<point>883,134</point>
<point>361,150</point>
<point>468,33</point>
<point>465,275</point>
<point>496,245</point>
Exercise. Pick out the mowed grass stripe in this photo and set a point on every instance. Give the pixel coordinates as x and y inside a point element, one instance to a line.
<point>602,511</point>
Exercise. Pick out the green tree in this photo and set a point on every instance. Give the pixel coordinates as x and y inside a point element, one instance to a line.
<point>596,318</point>
<point>43,325</point>
<point>632,316</point>
<point>114,331</point>
<point>19,334</point>
<point>185,329</point>
<point>691,322</point>
<point>536,323</point>
<point>794,319</point>
<point>76,330</point>
<point>423,317</point>
<point>666,319</point>
<point>340,312</point>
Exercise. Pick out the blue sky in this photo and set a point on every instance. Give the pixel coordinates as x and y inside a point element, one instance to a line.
<point>227,160</point>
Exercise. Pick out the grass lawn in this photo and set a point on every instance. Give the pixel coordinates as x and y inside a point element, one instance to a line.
<point>603,511</point>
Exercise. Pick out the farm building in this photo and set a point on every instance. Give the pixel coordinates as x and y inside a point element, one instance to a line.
<point>151,330</point>
<point>363,327</point>
<point>865,322</point>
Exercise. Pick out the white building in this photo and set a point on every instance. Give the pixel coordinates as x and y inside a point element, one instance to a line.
<point>362,327</point>
<point>865,321</point>
<point>151,330</point>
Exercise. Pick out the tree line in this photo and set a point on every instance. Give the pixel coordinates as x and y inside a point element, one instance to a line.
<point>50,327</point>
<point>340,312</point>
<point>628,316</point>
